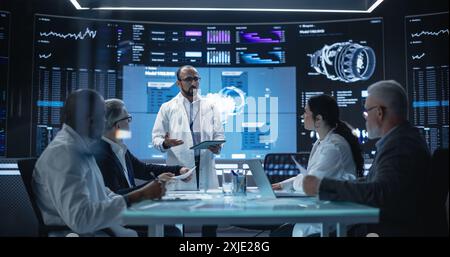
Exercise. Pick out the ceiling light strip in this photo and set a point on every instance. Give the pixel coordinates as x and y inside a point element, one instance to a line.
<point>226,9</point>
<point>371,8</point>
<point>375,5</point>
<point>77,5</point>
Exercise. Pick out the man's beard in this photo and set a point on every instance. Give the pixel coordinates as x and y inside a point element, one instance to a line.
<point>374,132</point>
<point>189,92</point>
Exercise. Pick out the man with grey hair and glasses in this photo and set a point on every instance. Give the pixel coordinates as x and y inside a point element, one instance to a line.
<point>118,165</point>
<point>396,180</point>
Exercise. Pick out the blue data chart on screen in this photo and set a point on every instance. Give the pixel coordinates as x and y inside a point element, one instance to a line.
<point>257,140</point>
<point>258,114</point>
<point>263,99</point>
<point>427,63</point>
<point>237,79</point>
<point>245,55</point>
<point>155,85</point>
<point>256,135</point>
<point>257,84</point>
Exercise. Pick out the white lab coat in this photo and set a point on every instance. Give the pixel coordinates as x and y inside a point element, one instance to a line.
<point>332,158</point>
<point>173,119</point>
<point>70,190</point>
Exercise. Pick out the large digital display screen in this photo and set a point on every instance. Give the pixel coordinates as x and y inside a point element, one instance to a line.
<point>427,75</point>
<point>4,72</point>
<point>267,70</point>
<point>339,58</point>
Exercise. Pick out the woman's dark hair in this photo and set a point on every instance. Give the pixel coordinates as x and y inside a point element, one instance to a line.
<point>327,107</point>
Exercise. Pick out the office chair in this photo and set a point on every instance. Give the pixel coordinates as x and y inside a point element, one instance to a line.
<point>436,212</point>
<point>280,166</point>
<point>26,167</point>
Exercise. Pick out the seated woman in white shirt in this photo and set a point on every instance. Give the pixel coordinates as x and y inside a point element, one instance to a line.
<point>335,154</point>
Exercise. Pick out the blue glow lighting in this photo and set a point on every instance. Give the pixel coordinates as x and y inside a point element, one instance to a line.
<point>50,103</point>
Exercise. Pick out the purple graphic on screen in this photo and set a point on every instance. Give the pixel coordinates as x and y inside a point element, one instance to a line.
<point>193,33</point>
<point>280,34</point>
<point>218,37</point>
<point>254,37</point>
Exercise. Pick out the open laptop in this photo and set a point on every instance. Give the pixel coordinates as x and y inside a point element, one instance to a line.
<point>263,183</point>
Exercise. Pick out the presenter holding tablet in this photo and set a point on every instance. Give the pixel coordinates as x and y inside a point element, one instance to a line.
<point>186,121</point>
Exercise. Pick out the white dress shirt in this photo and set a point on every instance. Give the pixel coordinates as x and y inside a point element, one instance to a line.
<point>192,111</point>
<point>194,106</point>
<point>70,190</point>
<point>119,150</point>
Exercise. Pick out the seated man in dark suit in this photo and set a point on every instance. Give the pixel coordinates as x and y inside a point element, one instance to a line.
<point>117,164</point>
<point>397,178</point>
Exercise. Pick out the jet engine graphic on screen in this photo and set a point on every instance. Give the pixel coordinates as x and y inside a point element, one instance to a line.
<point>344,61</point>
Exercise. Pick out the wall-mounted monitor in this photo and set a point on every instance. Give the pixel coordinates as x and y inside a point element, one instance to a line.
<point>264,72</point>
<point>427,75</point>
<point>339,58</point>
<point>4,75</point>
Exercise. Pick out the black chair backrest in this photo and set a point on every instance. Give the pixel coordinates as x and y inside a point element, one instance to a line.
<point>280,166</point>
<point>436,214</point>
<point>439,170</point>
<point>26,168</point>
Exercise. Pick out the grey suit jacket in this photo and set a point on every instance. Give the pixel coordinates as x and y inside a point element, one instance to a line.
<point>395,184</point>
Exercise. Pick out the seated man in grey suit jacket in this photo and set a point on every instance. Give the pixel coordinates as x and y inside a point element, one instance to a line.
<point>396,180</point>
<point>118,165</point>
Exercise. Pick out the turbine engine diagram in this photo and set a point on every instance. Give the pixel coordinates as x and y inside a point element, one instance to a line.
<point>344,61</point>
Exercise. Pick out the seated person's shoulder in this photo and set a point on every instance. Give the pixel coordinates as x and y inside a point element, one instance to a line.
<point>99,147</point>
<point>404,144</point>
<point>336,141</point>
<point>61,158</point>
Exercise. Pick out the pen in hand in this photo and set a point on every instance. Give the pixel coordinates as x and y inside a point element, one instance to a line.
<point>164,177</point>
<point>156,178</point>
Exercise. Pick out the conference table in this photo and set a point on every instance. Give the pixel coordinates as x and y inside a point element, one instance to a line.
<point>213,208</point>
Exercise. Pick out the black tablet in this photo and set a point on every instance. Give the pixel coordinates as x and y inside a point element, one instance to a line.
<point>206,144</point>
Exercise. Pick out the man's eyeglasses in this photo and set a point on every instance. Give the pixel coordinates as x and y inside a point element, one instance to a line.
<point>366,111</point>
<point>191,79</point>
<point>129,118</point>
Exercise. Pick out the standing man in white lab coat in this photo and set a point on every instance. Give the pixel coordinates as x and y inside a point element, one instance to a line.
<point>187,120</point>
